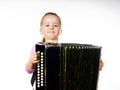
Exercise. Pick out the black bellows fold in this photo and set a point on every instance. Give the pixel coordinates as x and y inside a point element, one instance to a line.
<point>67,66</point>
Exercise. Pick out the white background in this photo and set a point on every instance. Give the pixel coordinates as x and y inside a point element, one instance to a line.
<point>83,21</point>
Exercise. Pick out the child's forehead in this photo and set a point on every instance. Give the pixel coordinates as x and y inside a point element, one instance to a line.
<point>51,18</point>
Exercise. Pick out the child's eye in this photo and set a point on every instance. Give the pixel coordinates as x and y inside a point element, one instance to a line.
<point>47,25</point>
<point>56,25</point>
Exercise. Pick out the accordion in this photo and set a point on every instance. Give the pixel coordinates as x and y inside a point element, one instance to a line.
<point>67,66</point>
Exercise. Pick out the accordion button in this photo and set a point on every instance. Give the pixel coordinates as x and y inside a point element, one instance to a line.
<point>38,69</point>
<point>42,79</point>
<point>41,53</point>
<point>38,74</point>
<point>38,85</point>
<point>38,77</point>
<point>41,84</point>
<point>41,67</point>
<point>41,70</point>
<point>41,76</point>
<point>42,62</point>
<point>38,80</point>
<point>38,51</point>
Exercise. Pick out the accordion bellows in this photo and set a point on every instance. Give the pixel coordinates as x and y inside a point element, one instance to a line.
<point>67,66</point>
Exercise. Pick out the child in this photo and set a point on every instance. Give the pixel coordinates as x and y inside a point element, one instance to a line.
<point>50,29</point>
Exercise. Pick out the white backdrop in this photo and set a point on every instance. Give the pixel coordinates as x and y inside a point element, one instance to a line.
<point>83,21</point>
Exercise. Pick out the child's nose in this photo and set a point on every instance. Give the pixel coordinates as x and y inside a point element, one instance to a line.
<point>51,27</point>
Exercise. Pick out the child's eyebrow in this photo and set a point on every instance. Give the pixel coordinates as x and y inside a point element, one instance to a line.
<point>52,23</point>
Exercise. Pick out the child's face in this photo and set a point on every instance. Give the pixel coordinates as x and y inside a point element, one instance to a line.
<point>51,27</point>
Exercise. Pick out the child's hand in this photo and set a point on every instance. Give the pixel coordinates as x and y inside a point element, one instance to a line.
<point>101,64</point>
<point>35,58</point>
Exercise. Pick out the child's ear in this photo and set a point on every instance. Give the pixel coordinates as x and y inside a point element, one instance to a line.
<point>60,32</point>
<point>41,31</point>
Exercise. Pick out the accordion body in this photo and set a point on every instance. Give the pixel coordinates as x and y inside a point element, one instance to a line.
<point>67,66</point>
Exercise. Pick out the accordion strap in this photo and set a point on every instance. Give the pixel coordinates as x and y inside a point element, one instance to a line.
<point>33,78</point>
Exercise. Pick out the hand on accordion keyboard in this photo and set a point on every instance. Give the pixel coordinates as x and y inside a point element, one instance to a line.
<point>34,58</point>
<point>101,64</point>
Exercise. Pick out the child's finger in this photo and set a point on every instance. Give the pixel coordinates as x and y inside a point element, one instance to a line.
<point>36,61</point>
<point>101,65</point>
<point>38,54</point>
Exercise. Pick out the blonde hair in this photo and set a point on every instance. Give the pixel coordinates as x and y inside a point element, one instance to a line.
<point>49,13</point>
